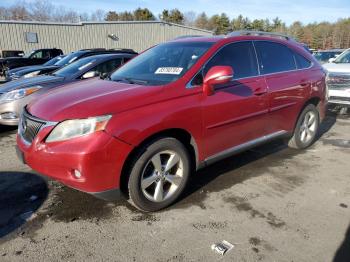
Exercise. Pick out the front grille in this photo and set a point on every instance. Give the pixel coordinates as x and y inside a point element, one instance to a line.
<point>338,81</point>
<point>339,98</point>
<point>29,126</point>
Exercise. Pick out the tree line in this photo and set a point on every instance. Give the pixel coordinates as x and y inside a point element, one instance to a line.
<point>322,35</point>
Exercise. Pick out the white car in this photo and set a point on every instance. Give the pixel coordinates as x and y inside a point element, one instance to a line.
<point>338,79</point>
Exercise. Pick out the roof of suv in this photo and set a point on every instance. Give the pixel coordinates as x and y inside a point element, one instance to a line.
<point>256,35</point>
<point>246,35</point>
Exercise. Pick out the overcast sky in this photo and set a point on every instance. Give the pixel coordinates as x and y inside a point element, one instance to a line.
<point>288,11</point>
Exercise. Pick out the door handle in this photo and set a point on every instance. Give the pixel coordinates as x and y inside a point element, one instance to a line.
<point>304,83</point>
<point>260,91</point>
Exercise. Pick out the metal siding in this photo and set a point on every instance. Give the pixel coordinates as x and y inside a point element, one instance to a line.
<point>71,37</point>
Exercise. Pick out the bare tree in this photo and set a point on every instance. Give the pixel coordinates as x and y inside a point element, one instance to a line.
<point>98,15</point>
<point>189,18</point>
<point>41,10</point>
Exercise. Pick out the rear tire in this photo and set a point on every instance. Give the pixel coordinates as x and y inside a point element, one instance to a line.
<point>306,129</point>
<point>159,174</point>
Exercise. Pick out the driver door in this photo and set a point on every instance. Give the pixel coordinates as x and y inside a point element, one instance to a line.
<point>237,112</point>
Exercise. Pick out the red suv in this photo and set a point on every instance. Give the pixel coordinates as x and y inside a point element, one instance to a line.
<point>175,108</point>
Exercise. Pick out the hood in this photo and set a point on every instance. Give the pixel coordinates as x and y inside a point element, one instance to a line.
<point>337,68</point>
<point>21,68</point>
<point>28,69</point>
<point>28,82</point>
<point>93,97</point>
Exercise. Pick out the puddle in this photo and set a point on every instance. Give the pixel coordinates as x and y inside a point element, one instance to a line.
<point>242,204</point>
<point>68,205</point>
<point>210,226</point>
<point>255,242</point>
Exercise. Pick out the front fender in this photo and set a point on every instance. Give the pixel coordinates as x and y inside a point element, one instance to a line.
<point>136,125</point>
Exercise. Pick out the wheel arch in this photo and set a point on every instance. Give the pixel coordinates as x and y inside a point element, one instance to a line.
<point>178,133</point>
<point>314,100</point>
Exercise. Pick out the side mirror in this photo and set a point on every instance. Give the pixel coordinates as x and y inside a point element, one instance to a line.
<point>331,60</point>
<point>89,74</point>
<point>216,75</point>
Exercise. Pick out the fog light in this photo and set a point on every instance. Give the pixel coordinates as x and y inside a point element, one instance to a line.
<point>9,115</point>
<point>77,174</point>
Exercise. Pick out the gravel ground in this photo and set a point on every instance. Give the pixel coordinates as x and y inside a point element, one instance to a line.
<point>272,203</point>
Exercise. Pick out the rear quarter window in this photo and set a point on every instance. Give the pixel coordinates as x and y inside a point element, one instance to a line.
<point>301,61</point>
<point>274,57</point>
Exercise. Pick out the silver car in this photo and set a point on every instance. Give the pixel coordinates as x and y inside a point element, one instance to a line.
<point>16,94</point>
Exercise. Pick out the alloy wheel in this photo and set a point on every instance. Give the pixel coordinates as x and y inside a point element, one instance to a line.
<point>308,127</point>
<point>162,176</point>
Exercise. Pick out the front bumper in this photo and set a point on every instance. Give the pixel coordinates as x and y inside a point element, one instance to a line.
<point>14,109</point>
<point>98,157</point>
<point>339,97</point>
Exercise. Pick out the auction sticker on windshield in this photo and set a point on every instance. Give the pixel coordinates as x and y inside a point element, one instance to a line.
<point>169,70</point>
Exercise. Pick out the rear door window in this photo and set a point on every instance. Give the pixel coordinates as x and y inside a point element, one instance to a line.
<point>274,57</point>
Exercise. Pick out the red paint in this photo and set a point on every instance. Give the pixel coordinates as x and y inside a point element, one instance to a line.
<point>246,109</point>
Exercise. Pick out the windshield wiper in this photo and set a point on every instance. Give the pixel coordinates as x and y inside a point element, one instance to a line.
<point>132,81</point>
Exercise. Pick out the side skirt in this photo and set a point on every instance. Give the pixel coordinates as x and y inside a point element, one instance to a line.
<point>242,147</point>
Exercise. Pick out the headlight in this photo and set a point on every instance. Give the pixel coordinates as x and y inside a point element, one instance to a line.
<point>75,128</point>
<point>35,73</point>
<point>18,93</point>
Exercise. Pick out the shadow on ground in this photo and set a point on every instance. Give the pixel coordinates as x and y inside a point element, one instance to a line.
<point>7,129</point>
<point>343,253</point>
<point>238,168</point>
<point>21,194</point>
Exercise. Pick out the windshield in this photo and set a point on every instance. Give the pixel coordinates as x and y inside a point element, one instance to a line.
<point>68,59</point>
<point>325,56</point>
<point>53,61</point>
<point>162,64</point>
<point>343,58</point>
<point>75,67</point>
<point>29,54</point>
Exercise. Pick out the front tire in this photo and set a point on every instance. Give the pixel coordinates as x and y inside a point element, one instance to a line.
<point>159,174</point>
<point>306,129</point>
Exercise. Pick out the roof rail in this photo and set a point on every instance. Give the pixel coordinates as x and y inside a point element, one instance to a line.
<point>93,49</point>
<point>260,33</point>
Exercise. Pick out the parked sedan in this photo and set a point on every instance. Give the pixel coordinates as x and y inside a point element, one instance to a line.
<point>30,71</point>
<point>70,58</point>
<point>15,95</point>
